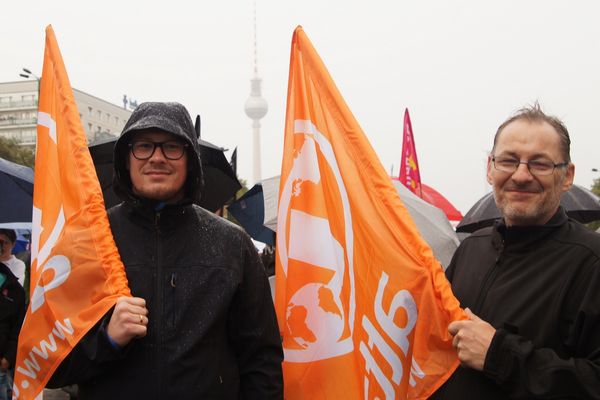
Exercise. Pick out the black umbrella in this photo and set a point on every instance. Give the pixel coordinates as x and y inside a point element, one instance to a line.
<point>580,204</point>
<point>220,183</point>
<point>102,156</point>
<point>16,192</point>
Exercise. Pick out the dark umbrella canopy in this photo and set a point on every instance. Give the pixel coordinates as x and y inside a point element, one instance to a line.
<point>16,192</point>
<point>102,156</point>
<point>249,210</point>
<point>580,204</point>
<point>220,182</point>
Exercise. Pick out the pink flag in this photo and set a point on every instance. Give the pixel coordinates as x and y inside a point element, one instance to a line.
<point>409,166</point>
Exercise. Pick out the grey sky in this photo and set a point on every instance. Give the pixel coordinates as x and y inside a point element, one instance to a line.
<point>461,67</point>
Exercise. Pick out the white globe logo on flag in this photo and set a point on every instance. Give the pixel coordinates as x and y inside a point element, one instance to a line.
<point>317,306</point>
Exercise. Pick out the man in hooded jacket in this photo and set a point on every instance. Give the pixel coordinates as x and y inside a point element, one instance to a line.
<point>201,323</point>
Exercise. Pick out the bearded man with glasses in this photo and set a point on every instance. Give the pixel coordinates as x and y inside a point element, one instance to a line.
<point>530,283</point>
<point>201,324</point>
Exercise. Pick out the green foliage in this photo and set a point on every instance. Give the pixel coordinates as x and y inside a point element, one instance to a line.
<point>11,150</point>
<point>238,194</point>
<point>243,190</point>
<point>596,189</point>
<point>596,186</point>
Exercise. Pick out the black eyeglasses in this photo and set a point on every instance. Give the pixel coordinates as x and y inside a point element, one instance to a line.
<point>535,167</point>
<point>144,149</point>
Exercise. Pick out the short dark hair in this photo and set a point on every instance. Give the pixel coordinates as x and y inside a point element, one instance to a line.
<point>534,113</point>
<point>10,234</point>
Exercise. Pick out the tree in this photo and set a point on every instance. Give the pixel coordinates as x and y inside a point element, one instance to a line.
<point>238,194</point>
<point>11,150</point>
<point>596,189</point>
<point>596,186</point>
<point>243,190</point>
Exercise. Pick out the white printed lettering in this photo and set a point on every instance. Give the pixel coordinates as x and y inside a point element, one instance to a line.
<point>43,350</point>
<point>376,340</point>
<point>415,372</point>
<point>402,299</point>
<point>389,331</point>
<point>33,367</point>
<point>372,367</point>
<point>45,346</point>
<point>60,329</point>
<point>62,268</point>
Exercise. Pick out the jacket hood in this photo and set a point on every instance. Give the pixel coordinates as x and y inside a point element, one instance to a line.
<point>168,117</point>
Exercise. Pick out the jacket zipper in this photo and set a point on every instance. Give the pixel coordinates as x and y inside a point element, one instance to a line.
<point>172,299</point>
<point>487,282</point>
<point>158,308</point>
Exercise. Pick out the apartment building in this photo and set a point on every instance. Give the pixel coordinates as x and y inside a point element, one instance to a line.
<point>18,113</point>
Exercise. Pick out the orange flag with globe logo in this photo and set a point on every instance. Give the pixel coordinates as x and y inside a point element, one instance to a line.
<point>363,306</point>
<point>76,271</point>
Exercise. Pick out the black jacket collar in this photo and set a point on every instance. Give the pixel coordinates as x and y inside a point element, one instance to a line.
<point>521,237</point>
<point>165,217</point>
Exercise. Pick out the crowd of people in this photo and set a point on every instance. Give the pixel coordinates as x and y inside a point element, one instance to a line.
<point>201,322</point>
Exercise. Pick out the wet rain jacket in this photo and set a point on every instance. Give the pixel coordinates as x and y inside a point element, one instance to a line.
<point>539,287</point>
<point>212,330</point>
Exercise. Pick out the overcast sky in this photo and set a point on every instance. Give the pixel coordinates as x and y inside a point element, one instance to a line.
<point>461,68</point>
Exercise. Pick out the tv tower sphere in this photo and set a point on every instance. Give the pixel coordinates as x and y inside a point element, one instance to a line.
<point>256,106</point>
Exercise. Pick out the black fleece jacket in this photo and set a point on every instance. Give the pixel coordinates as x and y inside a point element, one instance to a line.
<point>540,288</point>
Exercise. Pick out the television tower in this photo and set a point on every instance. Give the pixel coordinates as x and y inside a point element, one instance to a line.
<point>256,107</point>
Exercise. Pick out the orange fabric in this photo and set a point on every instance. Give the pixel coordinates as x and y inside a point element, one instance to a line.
<point>362,304</point>
<point>76,271</point>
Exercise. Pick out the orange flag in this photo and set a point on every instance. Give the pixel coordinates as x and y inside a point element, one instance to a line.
<point>76,271</point>
<point>362,304</point>
<point>409,165</point>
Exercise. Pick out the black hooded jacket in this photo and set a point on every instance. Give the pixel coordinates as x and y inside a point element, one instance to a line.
<point>212,331</point>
